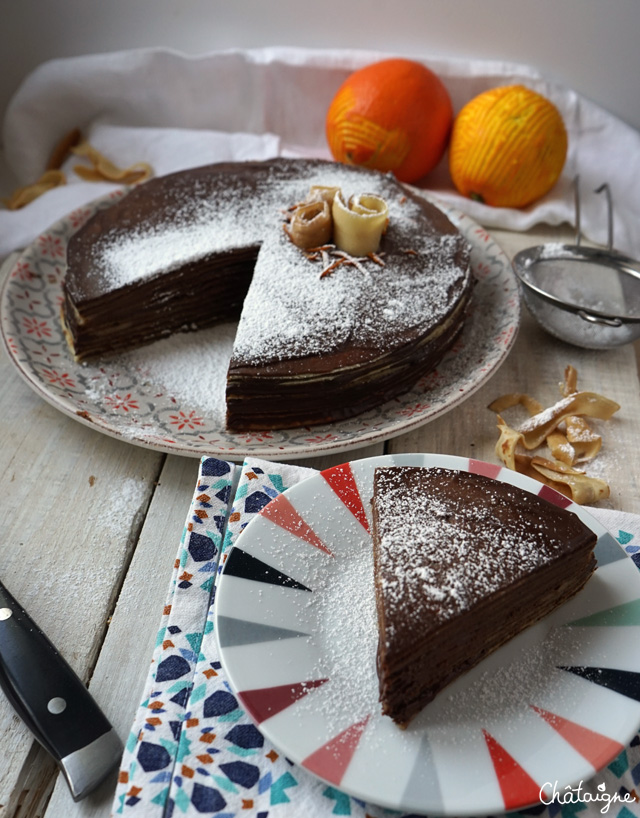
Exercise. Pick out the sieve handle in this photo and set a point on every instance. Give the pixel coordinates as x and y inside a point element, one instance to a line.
<point>597,319</point>
<point>576,200</point>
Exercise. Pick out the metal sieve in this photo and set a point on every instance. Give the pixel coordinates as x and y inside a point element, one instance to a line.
<point>587,296</point>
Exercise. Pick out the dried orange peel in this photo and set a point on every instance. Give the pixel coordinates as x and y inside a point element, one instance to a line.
<point>22,196</point>
<point>62,149</point>
<point>102,169</point>
<point>574,483</point>
<point>563,428</point>
<point>537,428</point>
<point>514,399</point>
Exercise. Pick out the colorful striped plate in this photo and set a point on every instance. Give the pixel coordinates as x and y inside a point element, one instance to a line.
<point>296,628</point>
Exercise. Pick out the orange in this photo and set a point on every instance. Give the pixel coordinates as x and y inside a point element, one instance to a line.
<point>394,115</point>
<point>508,147</point>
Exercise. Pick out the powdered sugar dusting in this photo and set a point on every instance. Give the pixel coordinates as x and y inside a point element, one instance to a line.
<point>506,684</point>
<point>348,651</point>
<point>290,310</point>
<point>448,554</point>
<point>197,227</point>
<point>192,364</point>
<point>546,415</point>
<point>144,254</point>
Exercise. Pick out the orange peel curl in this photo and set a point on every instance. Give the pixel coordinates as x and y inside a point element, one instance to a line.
<point>26,194</point>
<point>563,428</point>
<point>102,169</point>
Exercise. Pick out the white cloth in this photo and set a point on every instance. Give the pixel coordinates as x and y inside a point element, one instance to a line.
<point>176,111</point>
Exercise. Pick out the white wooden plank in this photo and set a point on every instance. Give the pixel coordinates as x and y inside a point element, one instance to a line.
<point>329,460</point>
<point>73,501</point>
<point>121,671</point>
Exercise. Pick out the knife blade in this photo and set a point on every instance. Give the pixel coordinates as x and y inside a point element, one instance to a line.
<point>53,702</point>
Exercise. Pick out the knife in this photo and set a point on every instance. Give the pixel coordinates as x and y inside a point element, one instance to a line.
<point>53,702</point>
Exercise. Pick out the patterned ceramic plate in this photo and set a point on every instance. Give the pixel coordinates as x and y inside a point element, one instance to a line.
<point>296,627</point>
<point>162,396</point>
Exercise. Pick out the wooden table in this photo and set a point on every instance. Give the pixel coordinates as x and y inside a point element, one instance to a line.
<point>91,527</point>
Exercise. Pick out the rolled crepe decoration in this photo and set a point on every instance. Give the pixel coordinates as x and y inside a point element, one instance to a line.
<point>358,226</point>
<point>310,225</point>
<point>322,193</point>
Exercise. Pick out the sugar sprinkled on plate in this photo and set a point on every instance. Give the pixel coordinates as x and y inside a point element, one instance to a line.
<point>346,638</point>
<point>190,366</point>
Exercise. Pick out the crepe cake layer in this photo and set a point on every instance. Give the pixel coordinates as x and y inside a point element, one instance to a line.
<point>186,251</point>
<point>462,564</point>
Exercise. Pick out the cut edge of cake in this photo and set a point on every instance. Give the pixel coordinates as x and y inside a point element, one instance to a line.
<point>439,615</point>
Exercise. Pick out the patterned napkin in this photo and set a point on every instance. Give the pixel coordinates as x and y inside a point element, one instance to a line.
<point>193,751</point>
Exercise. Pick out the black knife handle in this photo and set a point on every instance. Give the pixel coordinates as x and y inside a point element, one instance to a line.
<point>50,698</point>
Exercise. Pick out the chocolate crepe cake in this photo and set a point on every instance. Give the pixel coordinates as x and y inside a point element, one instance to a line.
<point>462,564</point>
<point>206,245</point>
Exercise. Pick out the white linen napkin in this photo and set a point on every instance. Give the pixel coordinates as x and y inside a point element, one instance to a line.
<point>176,111</point>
